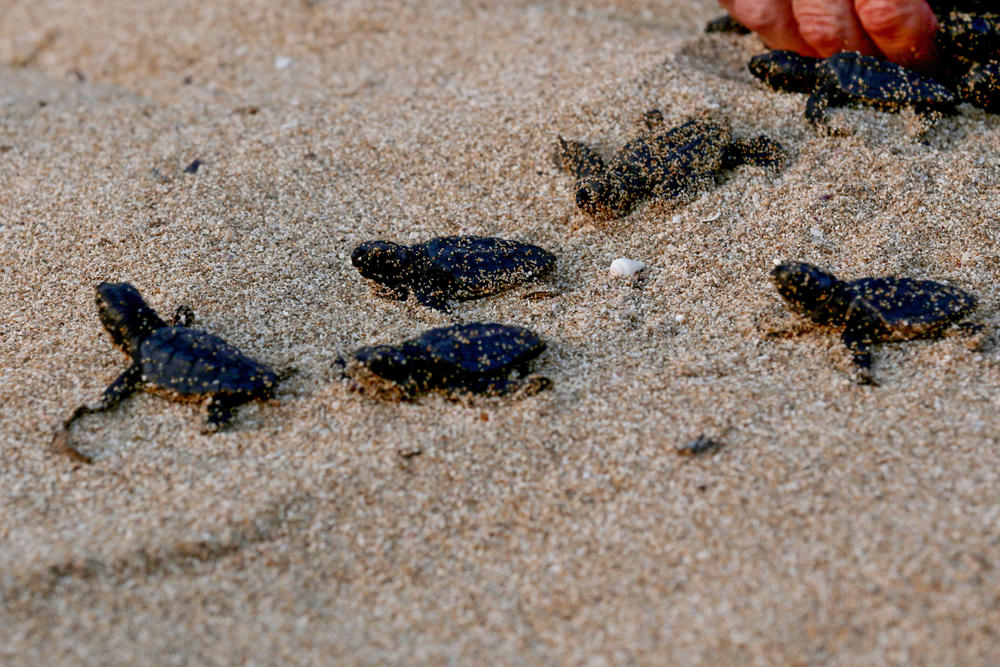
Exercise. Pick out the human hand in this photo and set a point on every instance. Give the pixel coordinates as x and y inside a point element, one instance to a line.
<point>900,30</point>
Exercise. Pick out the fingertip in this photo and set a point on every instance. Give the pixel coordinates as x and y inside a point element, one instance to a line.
<point>902,29</point>
<point>832,27</point>
<point>774,23</point>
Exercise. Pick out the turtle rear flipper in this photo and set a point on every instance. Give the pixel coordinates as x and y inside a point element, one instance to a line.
<point>527,385</point>
<point>759,151</point>
<point>219,413</point>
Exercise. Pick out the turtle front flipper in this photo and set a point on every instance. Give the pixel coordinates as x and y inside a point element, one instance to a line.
<point>579,159</point>
<point>760,151</point>
<point>652,119</point>
<point>124,386</point>
<point>863,363</point>
<point>432,298</point>
<point>819,104</point>
<point>816,107</point>
<point>856,337</point>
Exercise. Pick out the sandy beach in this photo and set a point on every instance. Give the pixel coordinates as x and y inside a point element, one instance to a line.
<point>837,524</point>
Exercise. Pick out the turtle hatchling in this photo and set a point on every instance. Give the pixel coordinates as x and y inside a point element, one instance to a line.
<point>485,359</point>
<point>661,161</point>
<point>174,360</point>
<point>449,267</point>
<point>850,78</point>
<point>871,310</point>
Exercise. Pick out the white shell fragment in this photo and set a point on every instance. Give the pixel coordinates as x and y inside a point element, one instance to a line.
<point>624,267</point>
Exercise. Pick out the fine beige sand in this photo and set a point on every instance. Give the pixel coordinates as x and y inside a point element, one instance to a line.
<point>838,524</point>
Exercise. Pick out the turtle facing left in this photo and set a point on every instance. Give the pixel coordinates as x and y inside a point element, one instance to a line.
<point>871,310</point>
<point>449,267</point>
<point>662,161</point>
<point>461,359</point>
<point>174,360</point>
<point>850,78</point>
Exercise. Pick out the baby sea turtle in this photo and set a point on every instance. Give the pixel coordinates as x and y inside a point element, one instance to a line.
<point>850,78</point>
<point>459,359</point>
<point>450,267</point>
<point>662,161</point>
<point>871,310</point>
<point>174,360</point>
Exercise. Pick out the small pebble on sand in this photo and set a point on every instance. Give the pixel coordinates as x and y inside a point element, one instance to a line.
<point>624,267</point>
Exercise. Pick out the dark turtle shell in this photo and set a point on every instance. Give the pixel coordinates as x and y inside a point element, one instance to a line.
<point>480,266</point>
<point>882,84</point>
<point>474,349</point>
<point>192,364</point>
<point>666,160</point>
<point>972,36</point>
<point>907,308</point>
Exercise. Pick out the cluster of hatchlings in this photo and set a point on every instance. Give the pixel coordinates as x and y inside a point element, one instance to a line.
<point>183,363</point>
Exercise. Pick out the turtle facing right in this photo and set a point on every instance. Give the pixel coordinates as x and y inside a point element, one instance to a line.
<point>851,78</point>
<point>871,310</point>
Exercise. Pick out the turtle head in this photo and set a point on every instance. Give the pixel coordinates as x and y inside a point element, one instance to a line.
<point>385,361</point>
<point>810,291</point>
<point>385,263</point>
<point>126,316</point>
<point>602,197</point>
<point>785,70</point>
